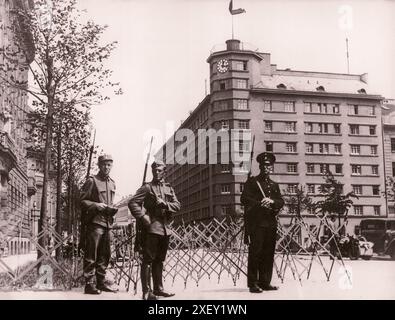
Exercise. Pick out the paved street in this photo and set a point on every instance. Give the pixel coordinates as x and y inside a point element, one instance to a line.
<point>371,280</point>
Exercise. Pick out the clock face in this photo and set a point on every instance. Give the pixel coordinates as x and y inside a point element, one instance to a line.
<point>222,65</point>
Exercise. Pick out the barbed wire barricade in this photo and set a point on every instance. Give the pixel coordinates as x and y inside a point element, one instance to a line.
<point>212,249</point>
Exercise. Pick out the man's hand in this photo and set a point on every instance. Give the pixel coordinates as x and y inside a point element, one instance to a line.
<point>266,202</point>
<point>101,206</point>
<point>161,203</point>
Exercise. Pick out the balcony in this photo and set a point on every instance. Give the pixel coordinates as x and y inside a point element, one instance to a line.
<point>7,153</point>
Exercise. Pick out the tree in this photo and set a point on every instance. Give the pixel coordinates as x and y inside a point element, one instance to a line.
<point>335,201</point>
<point>300,201</point>
<point>68,69</point>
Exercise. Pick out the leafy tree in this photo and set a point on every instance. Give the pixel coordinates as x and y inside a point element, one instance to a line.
<point>68,69</point>
<point>335,201</point>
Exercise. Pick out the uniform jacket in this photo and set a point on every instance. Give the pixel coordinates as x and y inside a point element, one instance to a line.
<point>95,190</point>
<point>255,215</point>
<point>146,196</point>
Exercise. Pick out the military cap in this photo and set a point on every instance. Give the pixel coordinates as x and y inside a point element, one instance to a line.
<point>158,163</point>
<point>266,158</point>
<point>105,157</point>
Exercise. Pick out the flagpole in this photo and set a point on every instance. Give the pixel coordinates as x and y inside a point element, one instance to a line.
<point>232,28</point>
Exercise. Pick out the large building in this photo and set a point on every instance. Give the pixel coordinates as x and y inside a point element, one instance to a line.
<point>20,172</point>
<point>312,121</point>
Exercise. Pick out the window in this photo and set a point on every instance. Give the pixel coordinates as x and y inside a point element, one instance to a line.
<point>376,210</point>
<point>311,188</point>
<point>268,126</point>
<point>371,110</point>
<point>225,168</point>
<point>324,168</point>
<point>354,129</point>
<point>375,170</point>
<point>356,169</point>
<point>308,107</point>
<point>241,187</point>
<point>335,108</point>
<point>372,130</point>
<point>309,148</point>
<point>290,126</point>
<point>222,105</point>
<point>240,65</point>
<point>225,210</point>
<point>323,128</point>
<point>269,146</point>
<point>392,144</point>
<point>376,190</point>
<point>292,167</point>
<point>338,148</point>
<point>241,104</point>
<point>373,150</point>
<point>310,168</point>
<point>358,210</point>
<point>225,189</point>
<point>339,168</point>
<point>353,110</point>
<point>267,105</point>
<point>241,83</point>
<point>355,149</point>
<point>289,106</point>
<point>292,188</point>
<point>291,146</point>
<point>336,128</point>
<point>225,124</point>
<point>222,85</point>
<point>324,148</point>
<point>357,189</point>
<point>244,124</point>
<point>323,108</point>
<point>308,127</point>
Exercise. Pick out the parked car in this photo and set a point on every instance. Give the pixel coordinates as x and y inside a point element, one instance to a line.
<point>356,247</point>
<point>382,233</point>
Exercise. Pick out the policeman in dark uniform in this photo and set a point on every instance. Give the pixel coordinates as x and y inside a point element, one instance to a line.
<point>160,202</point>
<point>262,200</point>
<point>97,197</point>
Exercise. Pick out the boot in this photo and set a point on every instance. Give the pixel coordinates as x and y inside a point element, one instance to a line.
<point>157,269</point>
<point>90,288</point>
<point>146,282</point>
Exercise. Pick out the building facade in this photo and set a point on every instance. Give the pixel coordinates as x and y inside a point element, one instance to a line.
<point>312,121</point>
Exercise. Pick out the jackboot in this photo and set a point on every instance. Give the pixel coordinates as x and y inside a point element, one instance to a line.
<point>157,270</point>
<point>146,282</point>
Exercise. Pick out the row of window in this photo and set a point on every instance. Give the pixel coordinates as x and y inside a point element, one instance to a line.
<point>314,107</point>
<point>236,104</point>
<point>318,128</point>
<point>324,148</point>
<point>226,84</point>
<point>358,189</point>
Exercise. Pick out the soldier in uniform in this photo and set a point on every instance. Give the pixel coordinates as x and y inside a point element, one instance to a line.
<point>97,197</point>
<point>262,200</point>
<point>160,202</point>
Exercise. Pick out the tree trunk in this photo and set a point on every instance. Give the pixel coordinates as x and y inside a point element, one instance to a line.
<point>59,189</point>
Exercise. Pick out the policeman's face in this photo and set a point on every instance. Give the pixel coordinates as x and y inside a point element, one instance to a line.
<point>105,167</point>
<point>158,173</point>
<point>266,168</point>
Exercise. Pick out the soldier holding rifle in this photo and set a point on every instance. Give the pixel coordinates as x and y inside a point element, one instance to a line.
<point>160,202</point>
<point>97,197</point>
<point>262,199</point>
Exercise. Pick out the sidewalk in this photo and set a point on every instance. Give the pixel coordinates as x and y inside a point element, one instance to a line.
<point>371,280</point>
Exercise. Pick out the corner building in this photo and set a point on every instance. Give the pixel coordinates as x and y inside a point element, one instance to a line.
<point>311,121</point>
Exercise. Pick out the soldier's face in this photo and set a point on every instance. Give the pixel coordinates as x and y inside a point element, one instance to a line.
<point>158,173</point>
<point>105,167</point>
<point>266,168</point>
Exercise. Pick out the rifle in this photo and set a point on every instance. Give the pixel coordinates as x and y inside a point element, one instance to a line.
<point>246,235</point>
<point>140,232</point>
<point>84,214</point>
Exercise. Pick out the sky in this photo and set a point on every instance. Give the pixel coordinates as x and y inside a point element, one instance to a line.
<point>162,48</point>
